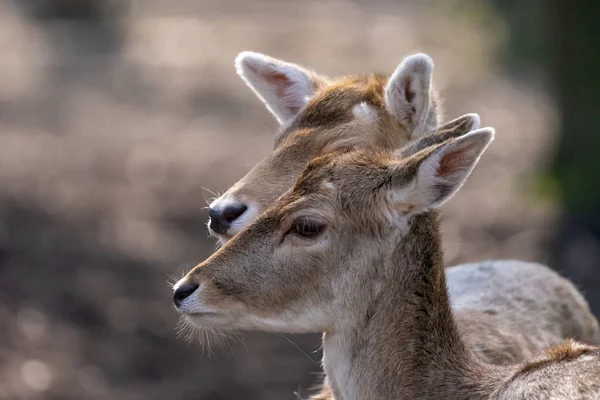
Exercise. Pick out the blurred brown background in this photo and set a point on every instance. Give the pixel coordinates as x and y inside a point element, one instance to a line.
<point>116,115</point>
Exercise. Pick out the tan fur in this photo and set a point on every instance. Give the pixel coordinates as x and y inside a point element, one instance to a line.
<point>373,282</point>
<point>519,328</point>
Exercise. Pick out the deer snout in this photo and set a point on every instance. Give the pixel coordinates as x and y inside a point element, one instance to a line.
<point>222,218</point>
<point>182,291</point>
<point>229,214</point>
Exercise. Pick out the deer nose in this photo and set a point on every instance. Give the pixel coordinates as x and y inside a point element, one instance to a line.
<point>183,291</point>
<point>220,221</point>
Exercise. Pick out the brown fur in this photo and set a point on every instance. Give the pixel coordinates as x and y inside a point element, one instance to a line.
<point>376,287</point>
<point>566,351</point>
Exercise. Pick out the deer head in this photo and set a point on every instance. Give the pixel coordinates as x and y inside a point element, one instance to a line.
<point>318,256</point>
<point>319,115</point>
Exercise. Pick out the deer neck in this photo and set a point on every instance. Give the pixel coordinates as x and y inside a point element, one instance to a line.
<point>404,344</point>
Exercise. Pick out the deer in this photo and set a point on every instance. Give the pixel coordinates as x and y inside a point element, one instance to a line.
<point>319,115</point>
<point>354,250</point>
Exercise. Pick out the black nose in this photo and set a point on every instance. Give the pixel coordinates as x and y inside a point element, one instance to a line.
<point>183,292</point>
<point>220,221</point>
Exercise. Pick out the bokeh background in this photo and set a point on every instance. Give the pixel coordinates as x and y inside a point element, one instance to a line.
<point>118,118</point>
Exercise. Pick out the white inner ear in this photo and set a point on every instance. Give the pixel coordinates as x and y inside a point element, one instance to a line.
<point>442,173</point>
<point>408,95</point>
<point>427,182</point>
<point>283,87</point>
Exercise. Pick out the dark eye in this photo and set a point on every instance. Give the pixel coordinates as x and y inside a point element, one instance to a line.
<point>306,228</point>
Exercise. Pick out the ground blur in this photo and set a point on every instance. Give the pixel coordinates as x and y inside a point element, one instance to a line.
<point>115,132</point>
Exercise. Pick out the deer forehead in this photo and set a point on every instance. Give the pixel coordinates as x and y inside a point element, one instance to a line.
<point>357,100</point>
<point>350,174</point>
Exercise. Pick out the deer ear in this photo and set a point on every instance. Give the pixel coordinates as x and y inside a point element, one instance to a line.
<point>440,172</point>
<point>408,95</point>
<point>450,130</point>
<point>284,87</point>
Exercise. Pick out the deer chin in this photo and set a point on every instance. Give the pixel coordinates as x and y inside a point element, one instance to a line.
<point>212,320</point>
<point>234,320</point>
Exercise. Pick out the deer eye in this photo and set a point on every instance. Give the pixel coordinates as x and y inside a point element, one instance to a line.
<point>306,228</point>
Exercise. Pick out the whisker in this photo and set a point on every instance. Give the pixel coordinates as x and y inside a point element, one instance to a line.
<point>171,280</point>
<point>210,191</point>
<point>297,347</point>
<point>207,337</point>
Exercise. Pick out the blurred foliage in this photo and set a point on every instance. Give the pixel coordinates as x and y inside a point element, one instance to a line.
<point>544,187</point>
<point>527,46</point>
<point>559,39</point>
<point>575,38</point>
